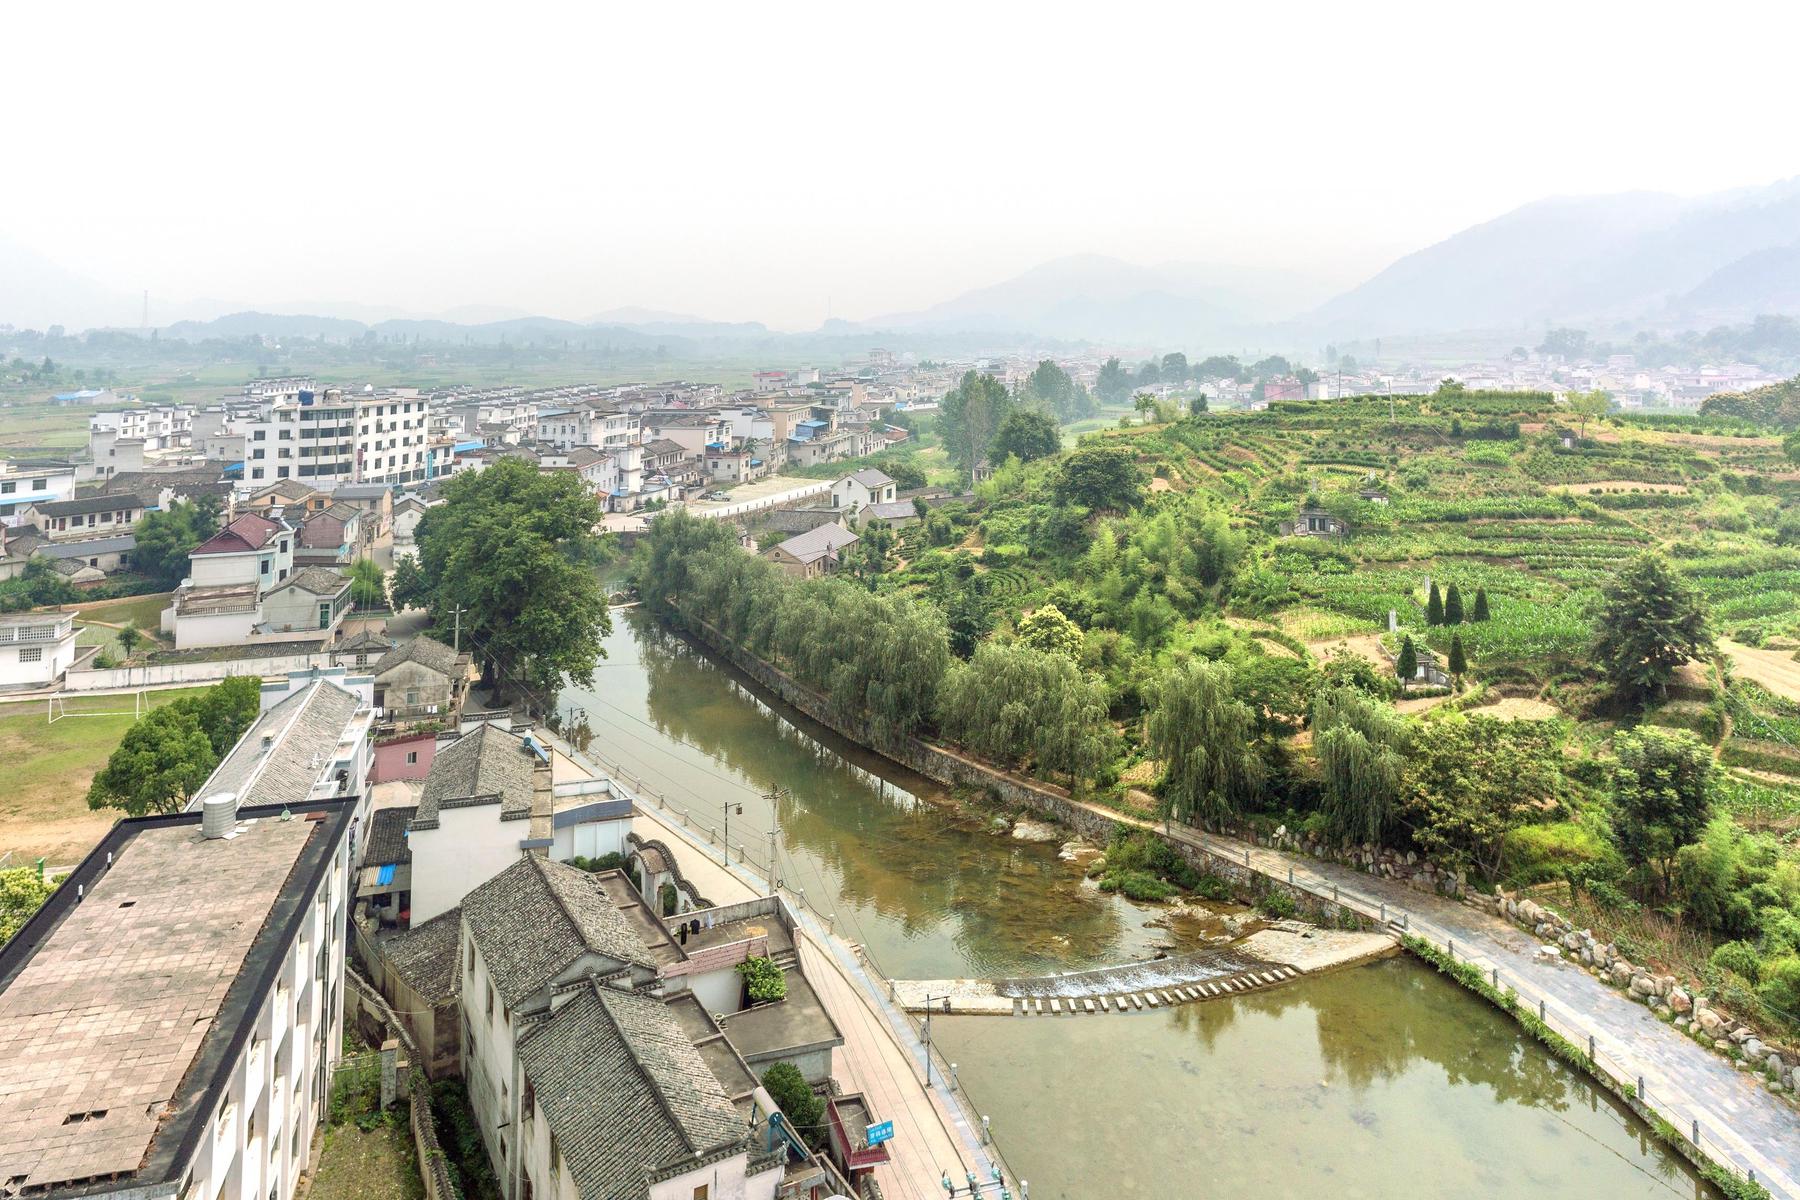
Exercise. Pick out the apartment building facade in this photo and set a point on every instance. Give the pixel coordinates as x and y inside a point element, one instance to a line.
<point>328,437</point>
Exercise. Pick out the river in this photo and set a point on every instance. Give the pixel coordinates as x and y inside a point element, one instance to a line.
<point>1381,1080</point>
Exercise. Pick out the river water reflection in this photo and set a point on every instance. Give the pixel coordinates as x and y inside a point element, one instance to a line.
<point>1382,1080</point>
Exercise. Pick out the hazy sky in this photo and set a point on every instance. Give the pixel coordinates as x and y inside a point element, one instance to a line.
<point>775,161</point>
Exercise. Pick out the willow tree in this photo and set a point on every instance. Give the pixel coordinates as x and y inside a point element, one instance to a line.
<point>1360,743</point>
<point>1204,736</point>
<point>1011,703</point>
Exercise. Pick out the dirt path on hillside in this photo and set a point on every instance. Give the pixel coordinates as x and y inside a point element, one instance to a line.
<point>1773,669</point>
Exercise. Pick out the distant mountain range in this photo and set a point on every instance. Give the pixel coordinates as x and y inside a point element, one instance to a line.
<point>1630,258</point>
<point>1097,298</point>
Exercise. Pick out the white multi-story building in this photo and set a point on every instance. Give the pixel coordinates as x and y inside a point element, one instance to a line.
<point>331,436</point>
<point>159,427</point>
<point>25,482</point>
<point>196,961</point>
<point>35,648</point>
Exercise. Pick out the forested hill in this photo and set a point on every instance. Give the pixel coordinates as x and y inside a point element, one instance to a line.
<point>1778,404</point>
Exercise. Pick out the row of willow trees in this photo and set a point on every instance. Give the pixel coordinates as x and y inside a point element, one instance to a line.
<point>882,659</point>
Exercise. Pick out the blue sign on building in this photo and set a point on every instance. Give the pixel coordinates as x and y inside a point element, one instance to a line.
<point>881,1132</point>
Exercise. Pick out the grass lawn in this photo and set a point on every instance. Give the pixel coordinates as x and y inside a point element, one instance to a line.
<point>143,611</point>
<point>357,1164</point>
<point>43,810</point>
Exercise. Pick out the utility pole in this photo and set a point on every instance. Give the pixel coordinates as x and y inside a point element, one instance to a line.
<point>774,831</point>
<point>456,637</point>
<point>926,1031</point>
<point>726,808</point>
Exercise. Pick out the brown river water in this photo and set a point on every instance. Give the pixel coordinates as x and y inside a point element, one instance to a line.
<point>1381,1080</point>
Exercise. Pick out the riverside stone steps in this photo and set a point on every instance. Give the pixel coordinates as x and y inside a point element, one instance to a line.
<point>1149,999</point>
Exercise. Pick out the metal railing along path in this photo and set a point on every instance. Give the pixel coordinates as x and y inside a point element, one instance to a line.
<point>1703,1129</point>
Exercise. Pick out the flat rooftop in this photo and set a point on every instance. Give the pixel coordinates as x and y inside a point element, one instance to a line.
<point>120,1009</point>
<point>727,932</point>
<point>771,1031</point>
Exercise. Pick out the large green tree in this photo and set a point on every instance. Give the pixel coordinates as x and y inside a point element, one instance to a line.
<point>1361,747</point>
<point>1662,788</point>
<point>1649,623</point>
<point>1010,703</point>
<point>158,766</point>
<point>1204,736</point>
<point>1469,781</point>
<point>368,584</point>
<point>1589,406</point>
<point>407,588</point>
<point>1100,478</point>
<point>225,710</point>
<point>1049,630</point>
<point>516,549</point>
<point>165,538</point>
<point>970,416</point>
<point>1113,383</point>
<point>1026,434</point>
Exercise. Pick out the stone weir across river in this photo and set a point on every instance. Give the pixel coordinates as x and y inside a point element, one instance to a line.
<point>1266,958</point>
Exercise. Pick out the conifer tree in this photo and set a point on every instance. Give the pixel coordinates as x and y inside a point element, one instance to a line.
<point>1453,606</point>
<point>1407,665</point>
<point>1459,665</point>
<point>1434,607</point>
<point>1481,605</point>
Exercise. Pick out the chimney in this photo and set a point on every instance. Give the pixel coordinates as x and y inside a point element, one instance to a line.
<point>218,813</point>
<point>543,795</point>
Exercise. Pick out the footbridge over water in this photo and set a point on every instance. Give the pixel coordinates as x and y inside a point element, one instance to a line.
<point>1265,959</point>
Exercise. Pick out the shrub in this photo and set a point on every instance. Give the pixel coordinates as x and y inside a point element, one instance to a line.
<point>1211,887</point>
<point>1540,853</point>
<point>1739,958</point>
<point>1277,906</point>
<point>1780,986</point>
<point>798,1103</point>
<point>1136,885</point>
<point>764,981</point>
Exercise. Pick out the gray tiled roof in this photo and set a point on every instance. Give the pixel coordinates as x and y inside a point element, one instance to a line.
<point>626,1093</point>
<point>817,543</point>
<point>536,918</point>
<point>320,581</point>
<point>426,955</point>
<point>306,727</point>
<point>89,546</point>
<point>86,504</point>
<point>387,836</point>
<point>869,477</point>
<point>427,652</point>
<point>365,640</point>
<point>897,510</point>
<point>484,765</point>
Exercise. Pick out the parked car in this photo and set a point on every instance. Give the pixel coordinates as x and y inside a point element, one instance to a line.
<point>719,496</point>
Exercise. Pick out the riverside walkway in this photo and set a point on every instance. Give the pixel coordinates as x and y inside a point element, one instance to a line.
<point>1728,1113</point>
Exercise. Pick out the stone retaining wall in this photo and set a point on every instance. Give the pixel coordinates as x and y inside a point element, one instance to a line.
<point>1693,1013</point>
<point>1011,791</point>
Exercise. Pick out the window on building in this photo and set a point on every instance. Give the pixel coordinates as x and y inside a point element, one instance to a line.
<point>702,1192</point>
<point>31,654</point>
<point>528,1102</point>
<point>412,756</point>
<point>490,1003</point>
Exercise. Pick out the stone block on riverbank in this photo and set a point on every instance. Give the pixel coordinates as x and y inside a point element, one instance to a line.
<point>1307,949</point>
